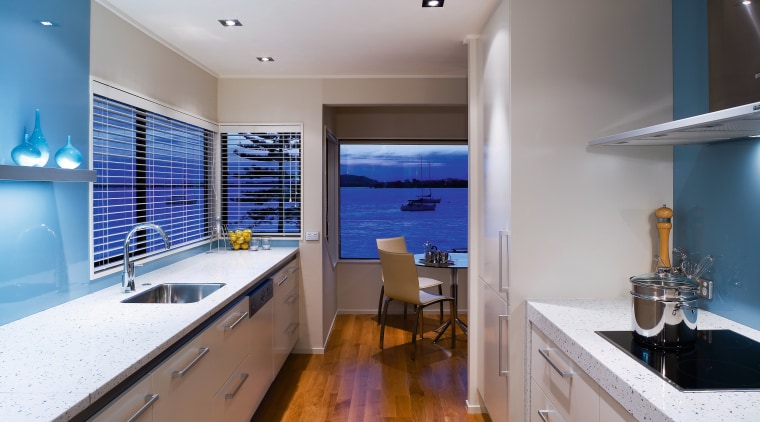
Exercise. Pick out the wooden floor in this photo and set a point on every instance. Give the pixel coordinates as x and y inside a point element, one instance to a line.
<point>355,381</point>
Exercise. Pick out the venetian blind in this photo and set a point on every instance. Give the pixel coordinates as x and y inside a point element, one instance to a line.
<point>150,168</point>
<point>261,178</point>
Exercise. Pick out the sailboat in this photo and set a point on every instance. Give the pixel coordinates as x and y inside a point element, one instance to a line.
<point>427,198</point>
<point>418,205</point>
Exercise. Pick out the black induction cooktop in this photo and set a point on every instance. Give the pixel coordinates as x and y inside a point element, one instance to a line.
<point>720,360</point>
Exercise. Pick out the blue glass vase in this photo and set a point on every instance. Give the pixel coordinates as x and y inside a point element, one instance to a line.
<point>68,157</point>
<point>38,140</point>
<point>26,154</point>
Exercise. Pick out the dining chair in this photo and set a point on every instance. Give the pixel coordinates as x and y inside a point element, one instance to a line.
<point>398,245</point>
<point>402,284</point>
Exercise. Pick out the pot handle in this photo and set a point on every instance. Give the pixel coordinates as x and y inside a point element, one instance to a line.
<point>680,305</point>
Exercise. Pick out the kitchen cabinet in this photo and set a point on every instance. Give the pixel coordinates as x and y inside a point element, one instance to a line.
<point>232,402</point>
<point>135,404</point>
<point>563,391</point>
<point>495,318</point>
<point>191,376</point>
<point>286,302</point>
<point>541,408</point>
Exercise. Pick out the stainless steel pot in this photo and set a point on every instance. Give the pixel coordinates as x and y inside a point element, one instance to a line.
<point>665,309</point>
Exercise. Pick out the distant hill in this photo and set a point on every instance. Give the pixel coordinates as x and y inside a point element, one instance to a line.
<point>351,181</point>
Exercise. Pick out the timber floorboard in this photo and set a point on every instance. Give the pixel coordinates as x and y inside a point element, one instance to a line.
<point>355,381</point>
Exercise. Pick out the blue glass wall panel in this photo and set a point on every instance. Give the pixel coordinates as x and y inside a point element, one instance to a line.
<point>43,225</point>
<point>716,188</point>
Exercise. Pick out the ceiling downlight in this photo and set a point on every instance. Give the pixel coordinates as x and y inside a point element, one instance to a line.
<point>230,22</point>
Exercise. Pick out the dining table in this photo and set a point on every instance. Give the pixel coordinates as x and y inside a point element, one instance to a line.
<point>457,261</point>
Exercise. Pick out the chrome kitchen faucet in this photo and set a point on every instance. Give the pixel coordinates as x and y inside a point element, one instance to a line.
<point>128,276</point>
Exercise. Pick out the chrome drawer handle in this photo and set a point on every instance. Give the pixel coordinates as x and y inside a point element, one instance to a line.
<point>231,395</point>
<point>149,400</point>
<point>279,283</point>
<point>544,414</point>
<point>545,354</point>
<point>181,373</point>
<point>234,324</point>
<point>503,251</point>
<point>291,328</point>
<point>505,371</point>
<point>291,299</point>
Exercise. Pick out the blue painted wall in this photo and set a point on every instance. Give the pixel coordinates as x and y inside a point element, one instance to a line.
<point>716,187</point>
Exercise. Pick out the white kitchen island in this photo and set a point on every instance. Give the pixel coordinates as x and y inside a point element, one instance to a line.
<point>55,363</point>
<point>571,325</point>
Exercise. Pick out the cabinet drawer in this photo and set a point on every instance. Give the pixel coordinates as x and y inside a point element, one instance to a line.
<point>188,378</point>
<point>139,399</point>
<point>541,408</point>
<point>286,298</point>
<point>240,394</point>
<point>574,393</point>
<point>234,331</point>
<point>287,278</point>
<point>612,411</point>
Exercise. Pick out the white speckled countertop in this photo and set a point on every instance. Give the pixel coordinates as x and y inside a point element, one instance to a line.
<point>53,364</point>
<point>571,324</point>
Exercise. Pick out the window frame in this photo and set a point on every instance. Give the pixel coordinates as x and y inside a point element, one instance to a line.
<point>336,219</point>
<point>259,128</point>
<point>151,106</point>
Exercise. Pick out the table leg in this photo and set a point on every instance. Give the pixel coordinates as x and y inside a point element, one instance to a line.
<point>454,293</point>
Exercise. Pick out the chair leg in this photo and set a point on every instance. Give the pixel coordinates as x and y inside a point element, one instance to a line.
<point>380,302</point>
<point>382,322</point>
<point>440,293</point>
<point>405,305</point>
<point>414,332</point>
<point>452,319</point>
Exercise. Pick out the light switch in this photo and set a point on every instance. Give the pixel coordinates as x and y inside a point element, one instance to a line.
<point>312,235</point>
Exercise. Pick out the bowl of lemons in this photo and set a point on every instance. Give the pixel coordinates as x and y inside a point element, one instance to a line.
<point>240,239</point>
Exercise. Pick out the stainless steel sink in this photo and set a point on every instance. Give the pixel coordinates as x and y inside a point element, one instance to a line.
<point>175,293</point>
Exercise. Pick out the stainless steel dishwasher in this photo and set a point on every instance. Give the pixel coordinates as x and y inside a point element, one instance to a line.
<point>261,312</point>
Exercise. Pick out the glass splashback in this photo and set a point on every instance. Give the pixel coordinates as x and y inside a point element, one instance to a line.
<point>43,225</point>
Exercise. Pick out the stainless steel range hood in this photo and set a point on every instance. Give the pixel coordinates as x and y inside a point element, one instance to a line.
<point>732,123</point>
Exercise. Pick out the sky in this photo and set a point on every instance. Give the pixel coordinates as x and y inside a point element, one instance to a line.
<point>387,163</point>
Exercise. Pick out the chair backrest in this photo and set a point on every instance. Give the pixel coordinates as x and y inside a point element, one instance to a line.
<point>400,276</point>
<point>392,244</point>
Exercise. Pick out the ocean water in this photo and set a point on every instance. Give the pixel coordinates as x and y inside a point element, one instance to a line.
<point>367,214</point>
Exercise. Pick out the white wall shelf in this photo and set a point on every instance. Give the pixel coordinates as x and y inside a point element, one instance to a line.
<point>45,174</point>
<point>719,126</point>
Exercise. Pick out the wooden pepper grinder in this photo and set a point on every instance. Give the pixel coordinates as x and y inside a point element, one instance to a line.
<point>664,216</point>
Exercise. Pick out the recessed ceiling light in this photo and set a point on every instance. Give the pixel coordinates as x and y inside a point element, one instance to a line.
<point>746,2</point>
<point>46,23</point>
<point>432,3</point>
<point>230,22</point>
<point>265,59</point>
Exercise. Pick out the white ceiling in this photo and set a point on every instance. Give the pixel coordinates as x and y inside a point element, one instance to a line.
<point>313,38</point>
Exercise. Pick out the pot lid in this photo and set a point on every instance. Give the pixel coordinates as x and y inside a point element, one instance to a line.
<point>667,280</point>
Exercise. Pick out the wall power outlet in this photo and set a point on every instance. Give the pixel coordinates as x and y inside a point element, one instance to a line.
<point>312,235</point>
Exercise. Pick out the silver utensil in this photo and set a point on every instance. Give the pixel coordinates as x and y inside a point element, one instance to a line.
<point>704,266</point>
